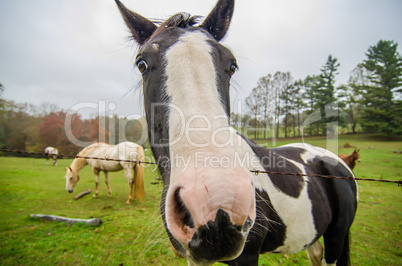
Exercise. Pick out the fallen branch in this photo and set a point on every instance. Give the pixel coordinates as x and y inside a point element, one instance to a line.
<point>82,194</point>
<point>94,221</point>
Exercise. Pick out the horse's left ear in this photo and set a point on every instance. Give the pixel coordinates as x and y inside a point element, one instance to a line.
<point>218,21</point>
<point>140,27</point>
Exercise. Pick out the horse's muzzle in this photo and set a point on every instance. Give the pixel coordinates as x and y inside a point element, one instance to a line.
<point>218,240</point>
<point>70,190</point>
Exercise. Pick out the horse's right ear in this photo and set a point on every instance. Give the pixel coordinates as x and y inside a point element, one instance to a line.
<point>140,27</point>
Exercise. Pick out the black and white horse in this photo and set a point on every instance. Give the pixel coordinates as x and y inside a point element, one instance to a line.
<point>213,207</point>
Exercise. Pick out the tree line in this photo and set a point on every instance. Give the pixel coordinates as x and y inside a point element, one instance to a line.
<point>281,106</point>
<point>25,126</point>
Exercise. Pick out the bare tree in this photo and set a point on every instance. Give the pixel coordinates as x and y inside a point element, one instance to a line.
<point>253,101</point>
<point>47,108</point>
<point>265,84</point>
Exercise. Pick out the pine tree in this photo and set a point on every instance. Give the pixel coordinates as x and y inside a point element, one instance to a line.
<point>312,85</point>
<point>321,93</point>
<point>381,100</point>
<point>298,102</point>
<point>326,97</point>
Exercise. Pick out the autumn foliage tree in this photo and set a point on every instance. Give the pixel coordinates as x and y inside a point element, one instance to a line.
<point>69,138</point>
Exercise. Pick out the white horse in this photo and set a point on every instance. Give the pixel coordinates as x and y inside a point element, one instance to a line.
<point>123,151</point>
<point>51,152</point>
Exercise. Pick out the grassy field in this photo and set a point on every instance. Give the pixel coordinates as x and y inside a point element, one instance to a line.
<point>134,234</point>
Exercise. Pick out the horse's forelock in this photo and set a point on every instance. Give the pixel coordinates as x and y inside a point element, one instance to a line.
<point>181,20</point>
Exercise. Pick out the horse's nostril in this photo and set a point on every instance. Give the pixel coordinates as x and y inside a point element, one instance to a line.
<point>184,215</point>
<point>70,191</point>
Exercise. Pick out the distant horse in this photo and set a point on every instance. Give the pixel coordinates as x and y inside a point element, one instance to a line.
<point>351,159</point>
<point>51,152</point>
<point>123,151</point>
<point>213,207</point>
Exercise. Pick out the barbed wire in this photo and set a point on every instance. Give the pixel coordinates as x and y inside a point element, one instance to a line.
<point>326,176</point>
<point>256,172</point>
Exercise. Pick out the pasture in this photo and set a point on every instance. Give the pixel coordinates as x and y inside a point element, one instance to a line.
<point>134,234</point>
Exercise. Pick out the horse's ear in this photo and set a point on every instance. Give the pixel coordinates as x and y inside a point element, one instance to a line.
<point>217,22</point>
<point>140,27</point>
<point>357,150</point>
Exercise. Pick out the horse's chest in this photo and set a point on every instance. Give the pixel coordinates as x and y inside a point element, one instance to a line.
<point>294,216</point>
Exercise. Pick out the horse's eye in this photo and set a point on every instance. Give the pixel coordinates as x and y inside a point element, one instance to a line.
<point>142,66</point>
<point>232,69</point>
<point>71,179</point>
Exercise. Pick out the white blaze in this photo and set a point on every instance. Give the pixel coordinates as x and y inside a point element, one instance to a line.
<point>200,136</point>
<point>197,120</point>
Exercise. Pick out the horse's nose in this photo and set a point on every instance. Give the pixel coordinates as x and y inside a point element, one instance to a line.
<point>70,190</point>
<point>359,161</point>
<point>211,215</point>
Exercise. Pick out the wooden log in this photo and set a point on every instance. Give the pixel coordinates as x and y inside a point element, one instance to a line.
<point>80,195</point>
<point>94,221</point>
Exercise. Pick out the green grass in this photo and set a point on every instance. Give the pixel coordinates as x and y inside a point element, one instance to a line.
<point>134,234</point>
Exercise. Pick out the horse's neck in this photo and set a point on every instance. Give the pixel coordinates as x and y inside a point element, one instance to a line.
<point>78,164</point>
<point>352,162</point>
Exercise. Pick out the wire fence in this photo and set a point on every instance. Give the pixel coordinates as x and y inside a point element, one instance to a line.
<point>257,172</point>
<point>75,156</point>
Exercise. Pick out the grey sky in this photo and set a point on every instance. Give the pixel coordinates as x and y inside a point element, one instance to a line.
<point>75,52</point>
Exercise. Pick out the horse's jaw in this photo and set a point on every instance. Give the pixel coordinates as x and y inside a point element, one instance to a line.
<point>210,212</point>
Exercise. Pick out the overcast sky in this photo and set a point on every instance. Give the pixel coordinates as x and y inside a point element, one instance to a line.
<point>74,53</point>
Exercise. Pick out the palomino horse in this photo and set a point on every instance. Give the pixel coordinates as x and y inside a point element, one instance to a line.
<point>123,151</point>
<point>351,159</point>
<point>51,152</point>
<point>213,207</point>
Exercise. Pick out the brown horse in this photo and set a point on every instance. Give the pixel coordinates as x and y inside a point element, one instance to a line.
<point>351,159</point>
